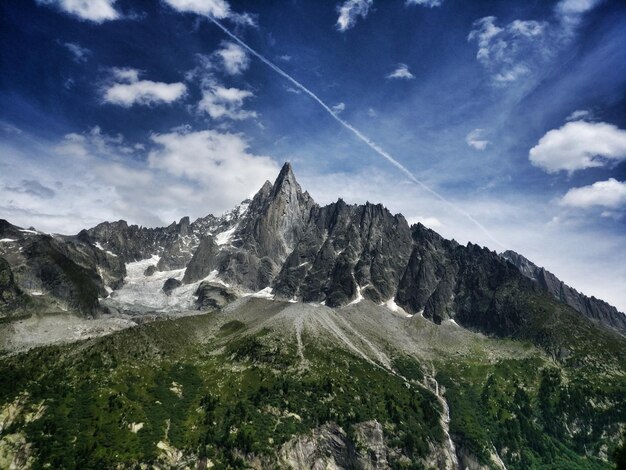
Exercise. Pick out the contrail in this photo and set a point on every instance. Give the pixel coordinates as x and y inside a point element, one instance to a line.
<point>362,137</point>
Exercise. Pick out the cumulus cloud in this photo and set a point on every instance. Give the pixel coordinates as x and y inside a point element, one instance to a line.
<point>234,58</point>
<point>350,11</point>
<point>219,9</point>
<point>220,102</point>
<point>79,54</point>
<point>610,194</point>
<point>476,140</point>
<point>578,145</point>
<point>401,72</point>
<point>425,3</point>
<point>221,161</point>
<point>128,90</point>
<point>97,11</point>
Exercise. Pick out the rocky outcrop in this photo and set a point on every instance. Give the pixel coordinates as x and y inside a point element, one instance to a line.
<point>11,296</point>
<point>204,261</point>
<point>595,309</point>
<point>212,296</point>
<point>365,448</point>
<point>170,284</point>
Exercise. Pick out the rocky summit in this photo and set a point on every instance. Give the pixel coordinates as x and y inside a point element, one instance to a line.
<point>285,334</point>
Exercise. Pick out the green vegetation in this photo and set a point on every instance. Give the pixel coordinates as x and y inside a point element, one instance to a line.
<point>249,399</point>
<point>538,414</point>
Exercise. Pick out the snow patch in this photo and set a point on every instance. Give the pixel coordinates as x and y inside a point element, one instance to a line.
<point>264,294</point>
<point>394,307</point>
<point>101,248</point>
<point>225,237</point>
<point>359,296</point>
<point>28,231</point>
<point>7,240</point>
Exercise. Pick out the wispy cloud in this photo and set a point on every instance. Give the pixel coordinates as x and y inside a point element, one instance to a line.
<point>128,90</point>
<point>401,72</point>
<point>350,11</point>
<point>97,11</point>
<point>610,194</point>
<point>579,114</point>
<point>79,54</point>
<point>476,140</point>
<point>425,3</point>
<point>578,145</point>
<point>522,48</point>
<point>339,107</point>
<point>34,188</point>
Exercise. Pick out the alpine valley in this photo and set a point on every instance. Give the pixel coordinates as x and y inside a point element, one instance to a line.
<point>284,334</point>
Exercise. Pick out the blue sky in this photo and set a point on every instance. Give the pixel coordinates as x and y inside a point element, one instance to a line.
<point>497,122</point>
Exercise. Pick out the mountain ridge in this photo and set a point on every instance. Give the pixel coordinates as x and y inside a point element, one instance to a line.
<point>282,240</point>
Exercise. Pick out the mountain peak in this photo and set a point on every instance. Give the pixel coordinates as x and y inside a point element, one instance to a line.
<point>286,181</point>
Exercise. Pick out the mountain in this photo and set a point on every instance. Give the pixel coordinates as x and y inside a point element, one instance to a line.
<point>285,334</point>
<point>594,309</point>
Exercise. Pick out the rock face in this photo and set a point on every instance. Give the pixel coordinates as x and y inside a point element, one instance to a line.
<point>171,284</point>
<point>213,296</point>
<point>203,261</point>
<point>595,309</point>
<point>330,447</point>
<point>11,296</point>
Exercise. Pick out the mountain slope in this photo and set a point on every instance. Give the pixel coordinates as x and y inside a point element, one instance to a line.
<point>594,309</point>
<point>263,384</point>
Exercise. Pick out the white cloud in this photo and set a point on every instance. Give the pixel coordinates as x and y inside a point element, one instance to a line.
<point>401,72</point>
<point>90,177</point>
<point>97,11</point>
<point>578,115</point>
<point>216,8</point>
<point>220,161</point>
<point>522,48</point>
<point>234,58</point>
<point>349,12</point>
<point>571,12</point>
<point>578,145</point>
<point>426,3</point>
<point>339,107</point>
<point>219,9</point>
<point>221,102</point>
<point>133,91</point>
<point>610,194</point>
<point>476,140</point>
<point>503,50</point>
<point>79,54</point>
